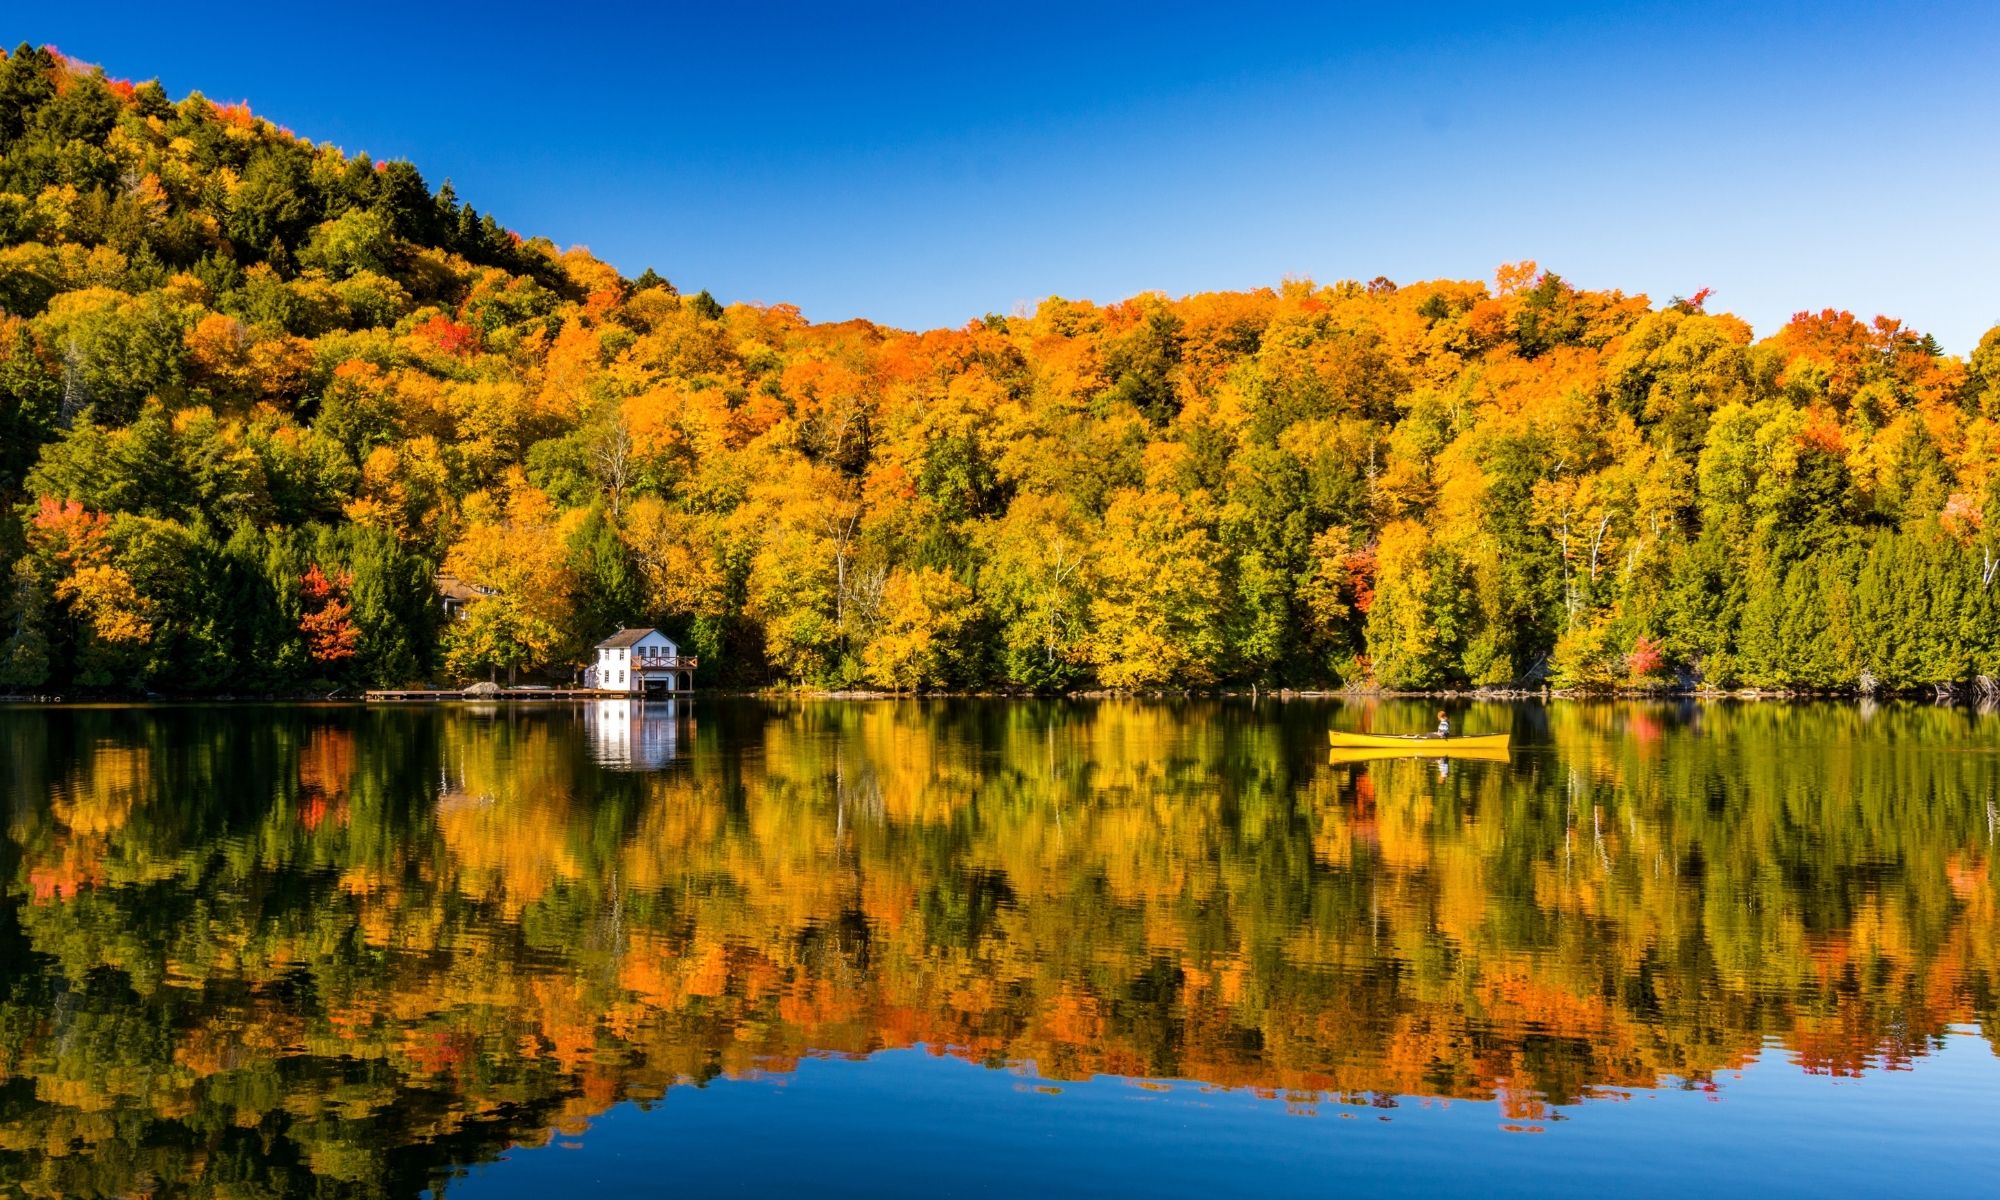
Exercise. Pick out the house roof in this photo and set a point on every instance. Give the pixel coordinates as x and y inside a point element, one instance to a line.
<point>626,637</point>
<point>453,588</point>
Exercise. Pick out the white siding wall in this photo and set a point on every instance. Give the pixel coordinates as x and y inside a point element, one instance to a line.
<point>655,644</point>
<point>614,669</point>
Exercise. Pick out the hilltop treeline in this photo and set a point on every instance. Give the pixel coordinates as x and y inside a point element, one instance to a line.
<point>255,393</point>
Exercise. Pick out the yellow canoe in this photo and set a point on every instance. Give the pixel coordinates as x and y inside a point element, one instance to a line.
<point>1344,756</point>
<point>1485,743</point>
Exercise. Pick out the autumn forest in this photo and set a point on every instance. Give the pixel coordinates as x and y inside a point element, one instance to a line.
<point>257,393</point>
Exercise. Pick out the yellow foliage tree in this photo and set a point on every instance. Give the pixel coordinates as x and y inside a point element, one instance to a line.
<point>1159,594</point>
<point>512,545</point>
<point>924,613</point>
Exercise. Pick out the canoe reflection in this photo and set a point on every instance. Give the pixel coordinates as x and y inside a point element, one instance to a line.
<point>1343,757</point>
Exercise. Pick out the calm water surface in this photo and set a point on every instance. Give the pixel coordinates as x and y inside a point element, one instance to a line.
<point>996,949</point>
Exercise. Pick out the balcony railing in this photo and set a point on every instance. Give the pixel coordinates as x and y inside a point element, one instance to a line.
<point>662,662</point>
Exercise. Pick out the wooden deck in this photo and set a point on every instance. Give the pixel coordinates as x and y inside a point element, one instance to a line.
<point>422,695</point>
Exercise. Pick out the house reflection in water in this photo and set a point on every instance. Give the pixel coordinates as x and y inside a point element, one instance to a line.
<point>635,735</point>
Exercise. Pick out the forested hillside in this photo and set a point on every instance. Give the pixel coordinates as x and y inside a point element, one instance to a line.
<point>255,393</point>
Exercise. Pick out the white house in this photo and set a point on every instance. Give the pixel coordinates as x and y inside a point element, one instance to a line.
<point>640,662</point>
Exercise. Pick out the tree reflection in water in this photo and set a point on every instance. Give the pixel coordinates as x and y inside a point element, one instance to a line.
<point>263,951</point>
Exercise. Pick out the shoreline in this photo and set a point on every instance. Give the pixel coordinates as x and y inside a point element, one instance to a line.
<point>1941,695</point>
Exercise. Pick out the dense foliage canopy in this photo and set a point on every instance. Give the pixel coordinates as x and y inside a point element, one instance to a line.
<point>255,393</point>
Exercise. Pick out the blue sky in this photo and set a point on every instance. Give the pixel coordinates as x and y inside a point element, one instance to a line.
<point>923,165</point>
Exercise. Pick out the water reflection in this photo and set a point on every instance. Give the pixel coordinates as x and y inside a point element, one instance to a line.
<point>287,948</point>
<point>635,735</point>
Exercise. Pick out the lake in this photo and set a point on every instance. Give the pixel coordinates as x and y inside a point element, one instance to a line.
<point>984,948</point>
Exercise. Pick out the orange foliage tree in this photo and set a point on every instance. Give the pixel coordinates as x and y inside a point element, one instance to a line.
<point>328,619</point>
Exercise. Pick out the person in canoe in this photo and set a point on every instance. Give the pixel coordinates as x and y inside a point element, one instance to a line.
<point>1444,725</point>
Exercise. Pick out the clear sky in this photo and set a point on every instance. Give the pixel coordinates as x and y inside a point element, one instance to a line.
<point>926,164</point>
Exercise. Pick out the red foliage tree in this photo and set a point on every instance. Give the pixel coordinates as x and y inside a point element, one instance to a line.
<point>71,533</point>
<point>452,337</point>
<point>328,624</point>
<point>1360,566</point>
<point>1645,660</point>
